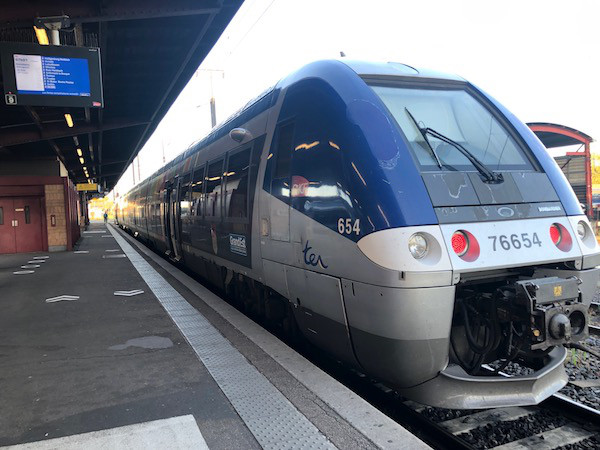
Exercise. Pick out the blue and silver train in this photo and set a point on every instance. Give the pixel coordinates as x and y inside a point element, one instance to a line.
<point>402,220</point>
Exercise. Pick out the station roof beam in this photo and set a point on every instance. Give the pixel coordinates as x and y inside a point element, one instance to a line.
<point>149,51</point>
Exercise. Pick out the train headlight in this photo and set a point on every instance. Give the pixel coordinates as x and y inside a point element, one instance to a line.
<point>581,229</point>
<point>417,244</point>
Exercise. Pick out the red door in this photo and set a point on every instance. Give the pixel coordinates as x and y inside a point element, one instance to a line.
<point>8,242</point>
<point>28,230</point>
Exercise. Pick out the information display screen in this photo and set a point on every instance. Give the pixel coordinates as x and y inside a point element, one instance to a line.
<point>51,75</point>
<point>48,75</point>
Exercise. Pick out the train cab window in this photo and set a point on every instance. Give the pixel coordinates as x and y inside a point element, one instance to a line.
<point>236,185</point>
<point>280,184</point>
<point>318,174</point>
<point>184,197</point>
<point>459,116</point>
<point>213,180</point>
<point>197,206</point>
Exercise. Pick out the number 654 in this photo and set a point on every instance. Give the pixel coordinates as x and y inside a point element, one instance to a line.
<point>346,226</point>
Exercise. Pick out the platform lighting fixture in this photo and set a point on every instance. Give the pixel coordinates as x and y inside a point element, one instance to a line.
<point>69,120</point>
<point>79,152</point>
<point>81,160</point>
<point>41,35</point>
<point>84,169</point>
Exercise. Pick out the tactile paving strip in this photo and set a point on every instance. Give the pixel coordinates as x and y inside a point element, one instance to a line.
<point>270,417</point>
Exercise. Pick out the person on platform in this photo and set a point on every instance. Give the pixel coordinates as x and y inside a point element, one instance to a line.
<point>105,217</point>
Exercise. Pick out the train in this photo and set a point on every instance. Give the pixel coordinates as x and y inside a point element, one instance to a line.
<point>401,220</point>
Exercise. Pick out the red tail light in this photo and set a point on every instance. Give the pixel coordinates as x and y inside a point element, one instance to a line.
<point>555,233</point>
<point>460,243</point>
<point>561,237</point>
<point>465,245</point>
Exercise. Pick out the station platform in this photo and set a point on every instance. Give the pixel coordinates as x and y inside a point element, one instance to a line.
<point>110,346</point>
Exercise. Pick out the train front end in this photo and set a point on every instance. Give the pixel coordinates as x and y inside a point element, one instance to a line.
<point>499,262</point>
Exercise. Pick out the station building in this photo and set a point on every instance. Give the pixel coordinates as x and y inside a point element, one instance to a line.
<point>40,208</point>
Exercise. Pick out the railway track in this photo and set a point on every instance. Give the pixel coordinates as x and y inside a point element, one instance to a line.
<point>554,423</point>
<point>595,329</point>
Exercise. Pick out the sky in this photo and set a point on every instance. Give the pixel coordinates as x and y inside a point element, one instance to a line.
<point>539,58</point>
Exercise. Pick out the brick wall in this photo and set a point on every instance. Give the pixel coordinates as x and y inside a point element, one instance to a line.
<point>55,205</point>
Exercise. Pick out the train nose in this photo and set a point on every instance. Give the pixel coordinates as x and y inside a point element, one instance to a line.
<point>560,327</point>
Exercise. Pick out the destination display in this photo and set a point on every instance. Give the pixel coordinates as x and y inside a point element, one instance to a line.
<point>51,75</point>
<point>47,75</point>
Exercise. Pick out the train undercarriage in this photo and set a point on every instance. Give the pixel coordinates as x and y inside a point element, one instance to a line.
<point>518,319</point>
<point>529,317</point>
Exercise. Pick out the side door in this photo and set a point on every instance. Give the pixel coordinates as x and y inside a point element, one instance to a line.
<point>8,242</point>
<point>197,207</point>
<point>168,217</point>
<point>28,217</point>
<point>174,220</point>
<point>184,213</point>
<point>279,208</point>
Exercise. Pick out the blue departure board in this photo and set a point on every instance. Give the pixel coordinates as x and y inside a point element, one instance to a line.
<point>48,75</point>
<point>51,75</point>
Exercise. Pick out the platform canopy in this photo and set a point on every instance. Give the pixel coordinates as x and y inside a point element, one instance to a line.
<point>575,165</point>
<point>553,135</point>
<point>149,51</point>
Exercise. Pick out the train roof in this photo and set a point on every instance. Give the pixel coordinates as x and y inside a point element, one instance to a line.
<point>267,98</point>
<point>371,68</point>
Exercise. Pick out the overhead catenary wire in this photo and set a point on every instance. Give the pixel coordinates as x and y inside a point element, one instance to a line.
<point>251,28</point>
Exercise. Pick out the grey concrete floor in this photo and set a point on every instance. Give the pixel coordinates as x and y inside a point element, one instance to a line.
<point>66,367</point>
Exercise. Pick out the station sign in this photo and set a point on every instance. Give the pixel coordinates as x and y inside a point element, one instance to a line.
<point>51,75</point>
<point>87,187</point>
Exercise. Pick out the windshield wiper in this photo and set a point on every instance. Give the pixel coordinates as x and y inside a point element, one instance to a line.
<point>487,173</point>
<point>422,131</point>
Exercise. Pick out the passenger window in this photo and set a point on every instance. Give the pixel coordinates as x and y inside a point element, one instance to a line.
<point>1,215</point>
<point>213,181</point>
<point>280,185</point>
<point>197,186</point>
<point>184,200</point>
<point>236,186</point>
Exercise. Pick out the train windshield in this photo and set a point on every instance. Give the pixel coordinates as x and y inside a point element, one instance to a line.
<point>458,116</point>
